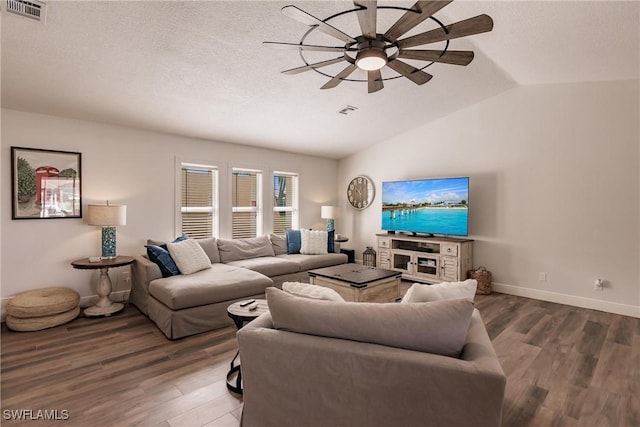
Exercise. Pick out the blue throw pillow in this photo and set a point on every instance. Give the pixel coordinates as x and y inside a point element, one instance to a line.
<point>161,256</point>
<point>294,241</point>
<point>331,247</point>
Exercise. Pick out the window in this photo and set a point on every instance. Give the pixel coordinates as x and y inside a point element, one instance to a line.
<point>246,194</point>
<point>285,202</point>
<point>199,205</point>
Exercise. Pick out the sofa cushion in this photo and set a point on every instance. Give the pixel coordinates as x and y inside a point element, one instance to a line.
<point>210,247</point>
<point>419,292</point>
<point>237,249</point>
<point>279,244</point>
<point>307,290</point>
<point>219,283</point>
<point>314,242</point>
<point>268,265</point>
<point>294,241</point>
<point>310,262</point>
<point>189,256</point>
<point>438,327</point>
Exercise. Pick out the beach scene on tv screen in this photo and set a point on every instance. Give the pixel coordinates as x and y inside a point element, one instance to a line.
<point>434,206</point>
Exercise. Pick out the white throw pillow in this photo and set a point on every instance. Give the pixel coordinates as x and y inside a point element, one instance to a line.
<point>314,242</point>
<point>307,290</point>
<point>189,256</point>
<point>419,292</point>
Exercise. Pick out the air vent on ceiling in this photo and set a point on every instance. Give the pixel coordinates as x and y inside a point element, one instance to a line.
<point>346,110</point>
<point>33,9</point>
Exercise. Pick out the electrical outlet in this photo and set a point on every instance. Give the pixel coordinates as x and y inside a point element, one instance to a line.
<point>542,277</point>
<point>126,278</point>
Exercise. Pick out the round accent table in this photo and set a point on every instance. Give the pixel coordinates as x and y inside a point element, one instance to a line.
<point>104,306</point>
<point>241,315</point>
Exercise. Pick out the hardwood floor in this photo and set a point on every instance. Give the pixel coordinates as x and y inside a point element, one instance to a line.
<point>566,366</point>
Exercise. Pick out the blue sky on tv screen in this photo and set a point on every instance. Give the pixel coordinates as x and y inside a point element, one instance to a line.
<point>451,190</point>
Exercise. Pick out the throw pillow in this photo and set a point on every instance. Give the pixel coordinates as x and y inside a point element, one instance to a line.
<point>293,241</point>
<point>158,253</point>
<point>307,290</point>
<point>313,242</point>
<point>189,256</point>
<point>279,244</point>
<point>419,292</point>
<point>438,327</point>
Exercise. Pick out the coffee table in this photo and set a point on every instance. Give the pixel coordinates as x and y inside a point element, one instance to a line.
<point>359,283</point>
<point>240,315</point>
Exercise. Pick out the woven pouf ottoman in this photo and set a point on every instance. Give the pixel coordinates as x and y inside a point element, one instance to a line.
<point>42,308</point>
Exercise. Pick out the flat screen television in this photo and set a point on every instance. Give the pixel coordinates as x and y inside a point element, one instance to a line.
<point>426,206</point>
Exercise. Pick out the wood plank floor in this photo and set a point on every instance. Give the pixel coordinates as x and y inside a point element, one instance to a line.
<point>566,366</point>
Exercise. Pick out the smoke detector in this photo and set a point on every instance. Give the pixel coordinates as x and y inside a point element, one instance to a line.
<point>33,9</point>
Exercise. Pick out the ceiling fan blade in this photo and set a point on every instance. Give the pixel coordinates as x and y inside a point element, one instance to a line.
<point>477,24</point>
<point>305,18</point>
<point>410,72</point>
<point>410,19</point>
<point>338,78</point>
<point>280,45</point>
<point>367,17</point>
<point>311,66</point>
<point>374,81</point>
<point>455,57</point>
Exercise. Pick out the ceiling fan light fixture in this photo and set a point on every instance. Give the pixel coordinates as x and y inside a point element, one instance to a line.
<point>371,59</point>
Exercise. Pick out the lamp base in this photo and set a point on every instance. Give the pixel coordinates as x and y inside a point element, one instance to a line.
<point>330,224</point>
<point>108,243</point>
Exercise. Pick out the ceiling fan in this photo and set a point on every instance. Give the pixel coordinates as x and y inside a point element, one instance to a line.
<point>371,51</point>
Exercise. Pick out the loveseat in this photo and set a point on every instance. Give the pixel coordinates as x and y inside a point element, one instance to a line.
<point>325,363</point>
<point>187,304</point>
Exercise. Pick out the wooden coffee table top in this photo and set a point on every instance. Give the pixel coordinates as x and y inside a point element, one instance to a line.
<point>355,274</point>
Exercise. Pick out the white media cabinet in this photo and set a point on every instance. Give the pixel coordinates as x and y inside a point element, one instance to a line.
<point>427,259</point>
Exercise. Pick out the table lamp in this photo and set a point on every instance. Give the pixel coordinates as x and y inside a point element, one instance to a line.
<point>329,213</point>
<point>108,216</point>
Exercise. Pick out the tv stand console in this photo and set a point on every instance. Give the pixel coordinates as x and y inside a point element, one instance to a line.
<point>427,259</point>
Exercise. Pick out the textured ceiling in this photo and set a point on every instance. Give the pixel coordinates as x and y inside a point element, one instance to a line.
<point>199,68</point>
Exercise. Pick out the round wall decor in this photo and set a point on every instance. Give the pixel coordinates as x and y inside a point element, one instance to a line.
<point>360,192</point>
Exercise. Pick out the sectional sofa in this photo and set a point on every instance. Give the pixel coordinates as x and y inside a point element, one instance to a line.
<point>187,304</point>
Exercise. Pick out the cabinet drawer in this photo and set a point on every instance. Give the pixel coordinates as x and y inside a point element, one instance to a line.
<point>384,254</point>
<point>448,249</point>
<point>383,242</point>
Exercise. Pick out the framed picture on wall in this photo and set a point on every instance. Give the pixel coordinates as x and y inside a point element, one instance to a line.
<point>45,184</point>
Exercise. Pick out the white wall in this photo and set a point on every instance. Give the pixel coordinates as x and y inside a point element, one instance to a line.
<point>125,166</point>
<point>554,175</point>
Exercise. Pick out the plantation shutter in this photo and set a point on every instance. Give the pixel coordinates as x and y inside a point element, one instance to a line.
<point>199,188</point>
<point>285,202</point>
<point>245,204</point>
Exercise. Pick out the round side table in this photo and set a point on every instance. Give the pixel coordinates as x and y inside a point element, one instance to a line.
<point>104,306</point>
<point>241,315</point>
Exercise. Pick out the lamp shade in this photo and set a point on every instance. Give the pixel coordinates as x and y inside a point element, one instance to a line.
<point>107,215</point>
<point>328,212</point>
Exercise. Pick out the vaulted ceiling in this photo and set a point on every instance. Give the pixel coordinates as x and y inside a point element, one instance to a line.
<point>199,68</point>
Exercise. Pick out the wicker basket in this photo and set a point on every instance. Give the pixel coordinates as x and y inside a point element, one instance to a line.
<point>483,276</point>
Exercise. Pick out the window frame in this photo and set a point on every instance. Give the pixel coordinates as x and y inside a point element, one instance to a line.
<point>295,207</point>
<point>217,170</point>
<point>258,209</point>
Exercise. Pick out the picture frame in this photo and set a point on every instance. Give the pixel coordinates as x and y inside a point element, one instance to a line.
<point>45,184</point>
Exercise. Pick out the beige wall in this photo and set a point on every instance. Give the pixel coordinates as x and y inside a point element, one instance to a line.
<point>554,175</point>
<point>131,167</point>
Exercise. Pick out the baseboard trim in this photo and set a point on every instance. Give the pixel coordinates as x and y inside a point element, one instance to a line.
<point>594,304</point>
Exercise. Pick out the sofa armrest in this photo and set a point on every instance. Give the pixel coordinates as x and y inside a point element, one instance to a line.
<point>299,379</point>
<point>143,272</point>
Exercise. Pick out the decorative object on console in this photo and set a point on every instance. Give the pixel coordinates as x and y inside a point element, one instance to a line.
<point>329,213</point>
<point>108,217</point>
<point>372,51</point>
<point>45,184</point>
<point>360,192</point>
<point>369,257</point>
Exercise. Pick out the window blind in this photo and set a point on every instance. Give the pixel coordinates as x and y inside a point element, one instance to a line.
<point>199,198</point>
